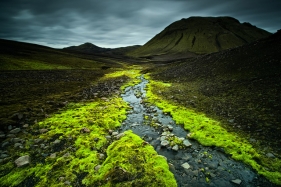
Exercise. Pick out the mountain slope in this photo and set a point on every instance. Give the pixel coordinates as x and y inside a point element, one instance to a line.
<point>240,86</point>
<point>200,35</point>
<point>25,56</point>
<point>89,48</point>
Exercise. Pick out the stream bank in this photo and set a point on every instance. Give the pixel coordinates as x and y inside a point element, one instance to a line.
<point>191,163</point>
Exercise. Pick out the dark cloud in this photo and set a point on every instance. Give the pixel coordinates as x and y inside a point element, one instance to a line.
<point>112,23</point>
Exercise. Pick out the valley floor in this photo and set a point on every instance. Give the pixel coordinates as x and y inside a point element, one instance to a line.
<point>72,127</point>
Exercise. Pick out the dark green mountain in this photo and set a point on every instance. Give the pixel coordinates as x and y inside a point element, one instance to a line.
<point>90,48</point>
<point>86,48</point>
<point>200,35</point>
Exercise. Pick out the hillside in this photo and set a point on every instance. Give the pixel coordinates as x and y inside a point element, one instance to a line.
<point>239,86</point>
<point>89,48</point>
<point>200,35</point>
<point>25,56</point>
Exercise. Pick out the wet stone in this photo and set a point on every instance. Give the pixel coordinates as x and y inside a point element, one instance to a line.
<point>175,148</point>
<point>236,181</point>
<point>114,133</point>
<point>185,165</point>
<point>186,143</point>
<point>165,143</point>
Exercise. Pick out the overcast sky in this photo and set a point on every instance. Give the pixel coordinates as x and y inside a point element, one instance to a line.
<point>117,23</point>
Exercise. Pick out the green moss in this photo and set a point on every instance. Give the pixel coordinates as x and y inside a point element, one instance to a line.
<point>209,132</point>
<point>81,152</point>
<point>98,117</point>
<point>132,162</point>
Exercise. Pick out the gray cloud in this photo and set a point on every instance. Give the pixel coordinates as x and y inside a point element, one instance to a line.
<point>112,23</point>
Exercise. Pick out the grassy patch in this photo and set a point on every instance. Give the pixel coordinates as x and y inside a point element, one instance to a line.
<point>209,132</point>
<point>132,162</point>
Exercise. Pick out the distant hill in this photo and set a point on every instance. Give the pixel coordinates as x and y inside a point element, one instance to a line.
<point>86,48</point>
<point>26,56</point>
<point>90,48</point>
<point>200,35</point>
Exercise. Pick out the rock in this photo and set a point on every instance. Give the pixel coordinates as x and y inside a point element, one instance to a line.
<point>231,120</point>
<point>4,155</point>
<point>164,143</point>
<point>236,181</point>
<point>18,145</point>
<point>164,134</point>
<point>120,135</point>
<point>5,144</point>
<point>85,130</point>
<point>170,127</point>
<point>67,183</point>
<point>175,148</point>
<point>66,155</point>
<point>101,156</point>
<point>110,131</point>
<point>270,155</point>
<point>16,140</point>
<point>97,167</point>
<point>185,165</point>
<point>21,161</point>
<point>38,140</point>
<point>114,133</point>
<point>108,137</point>
<point>57,141</point>
<point>43,131</point>
<point>53,155</point>
<point>25,125</point>
<point>186,143</point>
<point>172,167</point>
<point>163,138</point>
<point>15,131</point>
<point>11,136</point>
<point>181,139</point>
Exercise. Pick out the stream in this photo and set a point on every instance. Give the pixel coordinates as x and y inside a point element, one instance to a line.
<point>191,163</point>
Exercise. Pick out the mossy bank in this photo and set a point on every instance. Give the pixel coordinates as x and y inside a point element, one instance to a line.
<point>210,132</point>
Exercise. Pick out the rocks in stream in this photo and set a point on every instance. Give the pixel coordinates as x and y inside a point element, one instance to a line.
<point>22,161</point>
<point>236,181</point>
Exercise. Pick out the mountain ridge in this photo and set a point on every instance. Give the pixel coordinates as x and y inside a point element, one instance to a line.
<point>200,35</point>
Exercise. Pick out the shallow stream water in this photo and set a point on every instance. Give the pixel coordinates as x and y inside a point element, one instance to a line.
<point>208,166</point>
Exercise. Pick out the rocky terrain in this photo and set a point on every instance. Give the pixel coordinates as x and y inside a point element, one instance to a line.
<point>239,86</point>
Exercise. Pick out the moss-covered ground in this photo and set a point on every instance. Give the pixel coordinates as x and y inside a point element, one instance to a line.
<point>78,150</point>
<point>210,132</point>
